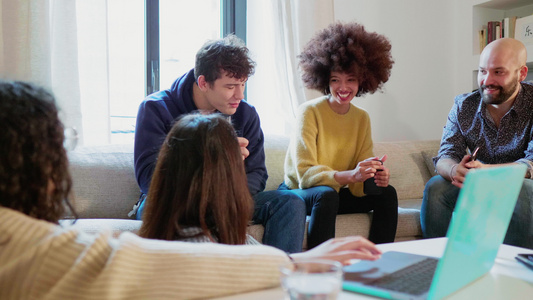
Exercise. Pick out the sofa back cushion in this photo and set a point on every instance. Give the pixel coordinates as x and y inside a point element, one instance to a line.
<point>408,169</point>
<point>105,187</point>
<point>275,150</point>
<point>409,172</point>
<point>103,181</point>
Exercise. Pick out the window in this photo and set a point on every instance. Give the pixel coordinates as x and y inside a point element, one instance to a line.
<point>126,66</point>
<point>184,28</point>
<point>152,42</point>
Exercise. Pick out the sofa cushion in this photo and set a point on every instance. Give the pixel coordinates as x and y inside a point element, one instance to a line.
<point>275,149</point>
<point>346,225</point>
<point>359,224</point>
<point>104,182</point>
<point>104,185</point>
<point>92,226</point>
<point>428,159</point>
<point>408,170</point>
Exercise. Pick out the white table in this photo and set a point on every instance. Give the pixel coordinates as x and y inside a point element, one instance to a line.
<point>508,279</point>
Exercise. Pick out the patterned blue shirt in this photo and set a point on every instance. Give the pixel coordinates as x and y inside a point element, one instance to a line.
<point>470,125</point>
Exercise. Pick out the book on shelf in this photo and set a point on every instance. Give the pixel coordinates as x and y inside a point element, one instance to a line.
<point>493,31</point>
<point>507,27</point>
<point>490,30</point>
<point>512,24</point>
<point>482,38</point>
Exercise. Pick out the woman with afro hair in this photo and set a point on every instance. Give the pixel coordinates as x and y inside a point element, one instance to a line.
<point>330,154</point>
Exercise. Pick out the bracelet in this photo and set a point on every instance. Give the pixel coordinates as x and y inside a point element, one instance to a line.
<point>452,171</point>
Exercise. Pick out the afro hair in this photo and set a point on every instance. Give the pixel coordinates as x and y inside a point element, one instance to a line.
<point>348,48</point>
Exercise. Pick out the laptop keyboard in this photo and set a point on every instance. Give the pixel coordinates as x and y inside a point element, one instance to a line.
<point>414,279</point>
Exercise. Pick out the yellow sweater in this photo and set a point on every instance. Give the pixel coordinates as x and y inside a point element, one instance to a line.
<point>40,260</point>
<point>325,142</point>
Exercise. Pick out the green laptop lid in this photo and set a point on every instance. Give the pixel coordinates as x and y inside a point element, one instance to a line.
<point>478,226</point>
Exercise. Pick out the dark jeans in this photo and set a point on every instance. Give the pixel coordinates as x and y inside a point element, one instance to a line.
<point>282,213</point>
<point>440,197</point>
<point>323,204</point>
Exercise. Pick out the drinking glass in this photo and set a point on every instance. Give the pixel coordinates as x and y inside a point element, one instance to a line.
<point>311,279</point>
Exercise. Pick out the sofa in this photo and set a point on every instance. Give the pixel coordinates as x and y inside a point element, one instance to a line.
<point>104,186</point>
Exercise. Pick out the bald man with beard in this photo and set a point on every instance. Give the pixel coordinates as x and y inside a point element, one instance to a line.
<point>497,119</point>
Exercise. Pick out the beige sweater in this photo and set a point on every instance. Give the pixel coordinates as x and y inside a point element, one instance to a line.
<point>40,260</point>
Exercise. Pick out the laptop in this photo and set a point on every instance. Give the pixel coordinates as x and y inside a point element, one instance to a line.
<point>477,229</point>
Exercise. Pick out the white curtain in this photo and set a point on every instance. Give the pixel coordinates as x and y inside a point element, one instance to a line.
<point>93,51</point>
<point>39,43</point>
<point>298,21</point>
<point>277,32</point>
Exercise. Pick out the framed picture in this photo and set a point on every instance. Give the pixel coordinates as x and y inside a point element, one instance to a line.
<point>524,30</point>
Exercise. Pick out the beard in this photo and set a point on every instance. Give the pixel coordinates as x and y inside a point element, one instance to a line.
<point>505,92</point>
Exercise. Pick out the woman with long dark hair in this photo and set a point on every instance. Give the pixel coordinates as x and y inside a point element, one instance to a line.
<point>198,190</point>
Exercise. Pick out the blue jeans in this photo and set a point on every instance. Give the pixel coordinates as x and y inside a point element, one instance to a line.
<point>282,213</point>
<point>440,197</point>
<point>323,204</point>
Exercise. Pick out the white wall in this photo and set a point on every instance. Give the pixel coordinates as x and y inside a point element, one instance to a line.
<point>465,60</point>
<point>432,49</point>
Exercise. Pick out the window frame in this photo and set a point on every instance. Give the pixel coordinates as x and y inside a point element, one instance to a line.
<point>233,20</point>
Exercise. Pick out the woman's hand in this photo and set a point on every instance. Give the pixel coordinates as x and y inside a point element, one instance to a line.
<point>342,250</point>
<point>364,170</point>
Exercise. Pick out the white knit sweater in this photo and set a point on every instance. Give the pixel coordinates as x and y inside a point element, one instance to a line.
<point>40,260</point>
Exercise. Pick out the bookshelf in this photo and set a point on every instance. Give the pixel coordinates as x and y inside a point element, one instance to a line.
<point>484,11</point>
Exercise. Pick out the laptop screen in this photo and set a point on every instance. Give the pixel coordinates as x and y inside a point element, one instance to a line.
<point>484,208</point>
<point>478,226</point>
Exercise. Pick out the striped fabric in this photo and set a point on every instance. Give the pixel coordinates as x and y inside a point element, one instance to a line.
<point>39,260</point>
<point>192,233</point>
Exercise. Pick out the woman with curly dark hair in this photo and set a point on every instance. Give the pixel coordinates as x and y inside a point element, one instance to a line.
<point>330,161</point>
<point>33,163</point>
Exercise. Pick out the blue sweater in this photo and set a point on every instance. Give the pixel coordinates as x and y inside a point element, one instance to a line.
<point>157,114</point>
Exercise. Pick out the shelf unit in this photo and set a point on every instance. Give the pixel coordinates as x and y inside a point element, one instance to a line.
<point>484,11</point>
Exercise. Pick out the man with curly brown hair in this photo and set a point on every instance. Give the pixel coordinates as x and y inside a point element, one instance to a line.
<point>330,154</point>
<point>216,84</point>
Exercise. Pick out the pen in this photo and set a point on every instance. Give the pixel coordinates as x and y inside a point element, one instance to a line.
<point>473,155</point>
